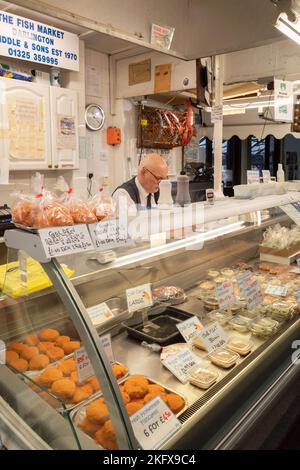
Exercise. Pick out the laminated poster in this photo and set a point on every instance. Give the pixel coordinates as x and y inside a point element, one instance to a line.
<point>66,136</point>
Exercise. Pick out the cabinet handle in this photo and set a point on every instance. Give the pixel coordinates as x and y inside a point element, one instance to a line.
<point>55,166</point>
<point>49,166</point>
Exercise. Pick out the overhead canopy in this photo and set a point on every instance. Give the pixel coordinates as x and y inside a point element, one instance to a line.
<point>279,131</point>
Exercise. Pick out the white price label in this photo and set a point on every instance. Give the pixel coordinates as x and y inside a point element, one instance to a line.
<point>266,176</point>
<point>139,297</point>
<point>225,295</point>
<point>216,113</point>
<point>61,241</point>
<point>83,365</point>
<point>250,289</point>
<point>190,328</point>
<point>213,336</point>
<point>276,290</point>
<point>99,313</point>
<point>106,343</point>
<point>181,364</point>
<point>154,424</point>
<point>109,234</point>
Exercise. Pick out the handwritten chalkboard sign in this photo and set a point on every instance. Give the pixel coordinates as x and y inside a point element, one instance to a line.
<point>61,241</point>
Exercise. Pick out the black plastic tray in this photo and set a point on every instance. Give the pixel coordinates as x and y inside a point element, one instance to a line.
<point>158,326</point>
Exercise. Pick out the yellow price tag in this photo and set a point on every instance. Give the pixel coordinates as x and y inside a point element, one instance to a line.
<point>144,122</point>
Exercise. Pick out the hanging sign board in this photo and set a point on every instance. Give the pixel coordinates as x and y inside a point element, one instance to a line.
<point>284,101</point>
<point>24,39</point>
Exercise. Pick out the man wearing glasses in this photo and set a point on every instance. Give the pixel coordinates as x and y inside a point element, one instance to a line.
<point>142,191</point>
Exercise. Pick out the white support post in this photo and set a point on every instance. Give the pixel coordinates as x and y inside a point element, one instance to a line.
<point>218,126</point>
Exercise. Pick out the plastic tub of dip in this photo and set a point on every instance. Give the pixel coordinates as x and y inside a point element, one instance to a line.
<point>239,323</point>
<point>203,378</point>
<point>242,346</point>
<point>223,358</point>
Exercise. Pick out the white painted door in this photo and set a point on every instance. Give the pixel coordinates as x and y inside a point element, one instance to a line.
<point>25,110</point>
<point>64,124</point>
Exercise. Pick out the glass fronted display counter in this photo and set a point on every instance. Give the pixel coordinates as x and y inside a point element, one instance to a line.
<point>204,319</point>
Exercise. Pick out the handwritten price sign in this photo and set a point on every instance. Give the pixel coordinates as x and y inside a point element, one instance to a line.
<point>190,328</point>
<point>213,336</point>
<point>181,363</point>
<point>250,289</point>
<point>225,295</point>
<point>83,365</point>
<point>154,424</point>
<point>61,241</point>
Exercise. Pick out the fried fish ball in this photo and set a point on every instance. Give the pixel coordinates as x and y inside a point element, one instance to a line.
<point>175,402</point>
<point>108,430</point>
<point>67,367</point>
<point>49,376</point>
<point>63,388</point>
<point>44,346</point>
<point>29,352</point>
<point>70,346</point>
<point>88,427</point>
<point>97,412</point>
<point>61,340</point>
<point>152,395</point>
<point>55,353</point>
<point>94,383</point>
<point>49,334</point>
<point>82,393</point>
<point>18,347</point>
<point>136,386</point>
<point>38,362</point>
<point>20,364</point>
<point>156,388</point>
<point>134,406</point>
<point>119,370</point>
<point>11,356</point>
<point>32,340</point>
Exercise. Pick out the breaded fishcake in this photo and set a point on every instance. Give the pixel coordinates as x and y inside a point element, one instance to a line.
<point>97,412</point>
<point>61,340</point>
<point>44,346</point>
<point>29,352</point>
<point>70,346</point>
<point>55,353</point>
<point>134,406</point>
<point>152,395</point>
<point>88,427</point>
<point>18,347</point>
<point>119,370</point>
<point>82,393</point>
<point>106,443</point>
<point>67,367</point>
<point>49,376</point>
<point>108,430</point>
<point>175,402</point>
<point>63,388</point>
<point>38,362</point>
<point>94,383</point>
<point>32,340</point>
<point>20,364</point>
<point>49,334</point>
<point>11,356</point>
<point>156,388</point>
<point>126,397</point>
<point>136,386</point>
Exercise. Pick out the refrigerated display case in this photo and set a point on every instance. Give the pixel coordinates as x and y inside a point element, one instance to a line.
<point>252,380</point>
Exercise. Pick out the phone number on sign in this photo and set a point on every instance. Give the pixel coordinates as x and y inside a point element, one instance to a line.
<point>36,57</point>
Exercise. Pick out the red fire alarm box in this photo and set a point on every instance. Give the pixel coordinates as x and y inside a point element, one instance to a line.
<point>113,135</point>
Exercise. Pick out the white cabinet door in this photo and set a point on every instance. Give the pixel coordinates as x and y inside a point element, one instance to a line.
<point>25,110</point>
<point>64,124</point>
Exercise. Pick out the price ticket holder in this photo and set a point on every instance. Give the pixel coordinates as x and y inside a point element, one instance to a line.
<point>43,247</point>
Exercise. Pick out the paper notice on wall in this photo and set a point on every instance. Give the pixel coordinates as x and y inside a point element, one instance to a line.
<point>284,101</point>
<point>93,81</point>
<point>26,120</point>
<point>66,132</point>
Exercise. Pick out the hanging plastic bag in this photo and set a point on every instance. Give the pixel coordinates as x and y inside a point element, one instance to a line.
<point>79,209</point>
<point>102,205</point>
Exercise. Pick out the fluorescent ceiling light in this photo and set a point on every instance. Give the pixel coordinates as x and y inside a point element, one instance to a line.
<point>289,28</point>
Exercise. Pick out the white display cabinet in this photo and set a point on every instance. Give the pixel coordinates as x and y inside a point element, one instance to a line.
<point>29,136</point>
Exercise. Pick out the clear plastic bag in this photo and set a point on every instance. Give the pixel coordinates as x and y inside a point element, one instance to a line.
<point>102,205</point>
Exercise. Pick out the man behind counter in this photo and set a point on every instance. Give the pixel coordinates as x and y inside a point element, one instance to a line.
<point>143,189</point>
